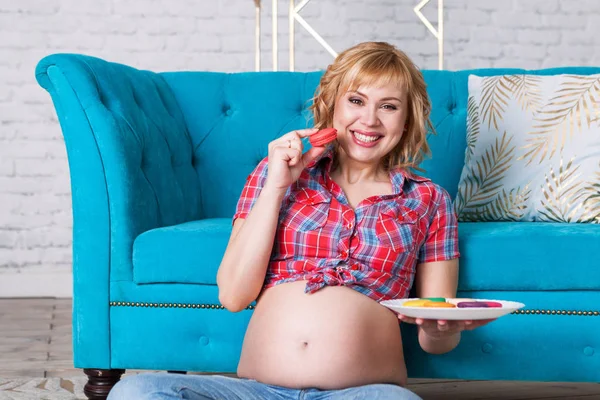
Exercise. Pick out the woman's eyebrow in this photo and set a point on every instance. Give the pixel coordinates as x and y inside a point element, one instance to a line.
<point>392,98</point>
<point>384,99</point>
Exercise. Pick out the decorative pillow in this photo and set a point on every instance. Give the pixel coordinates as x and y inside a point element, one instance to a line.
<point>533,149</point>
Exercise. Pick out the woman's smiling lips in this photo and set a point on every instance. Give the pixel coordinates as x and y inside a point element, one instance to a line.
<point>365,139</point>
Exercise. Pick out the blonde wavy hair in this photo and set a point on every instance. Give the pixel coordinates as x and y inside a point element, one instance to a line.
<point>379,64</point>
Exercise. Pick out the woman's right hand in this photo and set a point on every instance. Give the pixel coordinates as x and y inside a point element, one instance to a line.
<point>286,161</point>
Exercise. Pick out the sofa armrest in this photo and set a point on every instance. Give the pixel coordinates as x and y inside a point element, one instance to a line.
<point>130,162</point>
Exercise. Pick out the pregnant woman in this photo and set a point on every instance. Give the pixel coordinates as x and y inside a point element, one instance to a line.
<point>321,237</point>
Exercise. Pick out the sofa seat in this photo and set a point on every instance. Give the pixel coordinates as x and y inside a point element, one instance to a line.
<point>191,253</point>
<point>210,339</point>
<point>185,253</point>
<point>528,256</point>
<point>506,349</point>
<point>183,324</point>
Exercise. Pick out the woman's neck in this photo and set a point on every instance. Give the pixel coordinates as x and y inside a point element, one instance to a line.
<point>354,172</point>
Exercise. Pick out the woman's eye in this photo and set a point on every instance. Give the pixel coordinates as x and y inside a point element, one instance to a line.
<point>354,100</point>
<point>389,107</point>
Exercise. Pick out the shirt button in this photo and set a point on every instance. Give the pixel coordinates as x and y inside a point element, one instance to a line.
<point>344,254</point>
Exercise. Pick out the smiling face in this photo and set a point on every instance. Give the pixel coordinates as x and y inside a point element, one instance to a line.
<point>376,98</point>
<point>370,121</point>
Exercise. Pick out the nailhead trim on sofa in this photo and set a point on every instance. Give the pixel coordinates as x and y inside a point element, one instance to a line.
<point>170,305</point>
<point>558,312</point>
<point>220,307</point>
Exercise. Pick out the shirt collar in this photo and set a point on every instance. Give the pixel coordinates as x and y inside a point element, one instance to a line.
<point>398,176</point>
<point>326,157</point>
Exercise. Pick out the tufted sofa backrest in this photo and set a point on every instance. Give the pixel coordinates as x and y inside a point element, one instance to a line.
<point>231,119</point>
<point>148,150</point>
<point>130,155</point>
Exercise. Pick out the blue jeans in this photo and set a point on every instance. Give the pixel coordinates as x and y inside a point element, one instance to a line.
<point>155,386</point>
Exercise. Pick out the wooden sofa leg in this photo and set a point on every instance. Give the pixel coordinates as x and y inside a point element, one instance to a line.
<point>100,381</point>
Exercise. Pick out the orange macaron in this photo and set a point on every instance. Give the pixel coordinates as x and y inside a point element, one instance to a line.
<point>438,304</point>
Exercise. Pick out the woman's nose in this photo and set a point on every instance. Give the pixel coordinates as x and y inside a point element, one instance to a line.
<point>370,117</point>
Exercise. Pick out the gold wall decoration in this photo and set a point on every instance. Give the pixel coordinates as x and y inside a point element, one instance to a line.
<point>257,35</point>
<point>275,35</point>
<point>257,50</point>
<point>439,32</point>
<point>294,15</point>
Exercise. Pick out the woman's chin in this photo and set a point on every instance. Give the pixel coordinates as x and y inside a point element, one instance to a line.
<point>365,157</point>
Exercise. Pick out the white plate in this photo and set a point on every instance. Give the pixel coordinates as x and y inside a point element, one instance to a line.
<point>453,313</point>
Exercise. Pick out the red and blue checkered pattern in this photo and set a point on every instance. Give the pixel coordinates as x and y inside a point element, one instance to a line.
<point>373,248</point>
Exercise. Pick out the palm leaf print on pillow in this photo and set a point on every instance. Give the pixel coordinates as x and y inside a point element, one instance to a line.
<point>591,204</point>
<point>472,127</point>
<point>527,91</point>
<point>563,194</point>
<point>484,180</point>
<point>577,102</point>
<point>496,92</point>
<point>509,206</point>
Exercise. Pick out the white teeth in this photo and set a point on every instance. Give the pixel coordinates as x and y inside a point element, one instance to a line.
<point>365,138</point>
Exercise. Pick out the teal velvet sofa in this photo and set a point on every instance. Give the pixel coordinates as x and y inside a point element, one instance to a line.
<point>157,163</point>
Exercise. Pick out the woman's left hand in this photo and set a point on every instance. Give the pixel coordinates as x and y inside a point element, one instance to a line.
<point>444,328</point>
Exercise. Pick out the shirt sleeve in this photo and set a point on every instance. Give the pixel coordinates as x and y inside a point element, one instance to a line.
<point>441,240</point>
<point>254,184</point>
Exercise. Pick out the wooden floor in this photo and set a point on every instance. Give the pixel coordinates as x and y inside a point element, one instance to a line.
<point>35,341</point>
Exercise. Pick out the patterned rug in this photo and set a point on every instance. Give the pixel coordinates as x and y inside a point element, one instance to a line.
<point>42,388</point>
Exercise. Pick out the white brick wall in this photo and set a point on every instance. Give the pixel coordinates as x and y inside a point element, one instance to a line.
<point>35,212</point>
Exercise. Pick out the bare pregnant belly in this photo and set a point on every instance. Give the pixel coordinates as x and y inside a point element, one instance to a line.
<point>332,339</point>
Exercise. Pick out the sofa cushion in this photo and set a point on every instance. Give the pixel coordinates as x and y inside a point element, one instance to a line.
<point>494,255</point>
<point>528,256</point>
<point>184,253</point>
<point>532,149</point>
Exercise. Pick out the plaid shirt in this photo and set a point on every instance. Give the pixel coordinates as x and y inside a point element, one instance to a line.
<point>373,249</point>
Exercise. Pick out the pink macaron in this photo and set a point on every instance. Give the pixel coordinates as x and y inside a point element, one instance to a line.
<point>323,137</point>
